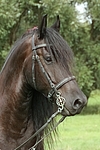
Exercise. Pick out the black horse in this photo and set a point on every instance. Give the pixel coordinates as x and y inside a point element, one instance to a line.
<point>36,81</point>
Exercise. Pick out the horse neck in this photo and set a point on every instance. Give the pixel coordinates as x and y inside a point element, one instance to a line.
<point>14,96</point>
<point>15,103</point>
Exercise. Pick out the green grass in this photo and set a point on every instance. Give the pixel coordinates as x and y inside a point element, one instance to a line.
<point>80,132</point>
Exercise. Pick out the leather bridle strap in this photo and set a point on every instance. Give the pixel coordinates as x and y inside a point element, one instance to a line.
<point>53,128</point>
<point>36,57</point>
<point>59,85</point>
<point>37,46</point>
<point>37,132</point>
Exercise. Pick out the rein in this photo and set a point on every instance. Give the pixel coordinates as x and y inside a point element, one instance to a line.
<point>60,101</point>
<point>41,129</point>
<point>53,128</point>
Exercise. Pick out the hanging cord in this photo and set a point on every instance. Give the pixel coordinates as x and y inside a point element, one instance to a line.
<point>42,128</point>
<point>53,128</point>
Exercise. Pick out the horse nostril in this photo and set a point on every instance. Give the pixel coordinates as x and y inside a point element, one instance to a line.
<point>77,104</point>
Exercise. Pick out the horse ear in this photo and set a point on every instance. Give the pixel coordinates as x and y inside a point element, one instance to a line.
<point>56,25</point>
<point>42,28</point>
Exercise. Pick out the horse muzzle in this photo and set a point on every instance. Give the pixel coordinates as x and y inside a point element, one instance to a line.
<point>75,107</point>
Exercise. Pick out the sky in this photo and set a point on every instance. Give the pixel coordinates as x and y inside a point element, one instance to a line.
<point>81,11</point>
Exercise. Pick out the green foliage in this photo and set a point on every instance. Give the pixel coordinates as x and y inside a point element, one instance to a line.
<point>13,22</point>
<point>87,59</point>
<point>84,75</point>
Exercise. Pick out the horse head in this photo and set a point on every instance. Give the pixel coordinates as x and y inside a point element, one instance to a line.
<point>50,68</point>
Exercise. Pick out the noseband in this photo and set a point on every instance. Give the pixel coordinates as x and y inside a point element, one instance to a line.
<point>60,101</point>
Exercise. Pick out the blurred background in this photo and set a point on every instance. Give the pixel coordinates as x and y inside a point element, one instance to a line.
<point>80,27</point>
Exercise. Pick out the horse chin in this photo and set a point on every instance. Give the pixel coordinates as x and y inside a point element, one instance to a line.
<point>67,112</point>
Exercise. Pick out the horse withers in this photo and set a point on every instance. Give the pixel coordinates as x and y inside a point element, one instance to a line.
<point>35,81</point>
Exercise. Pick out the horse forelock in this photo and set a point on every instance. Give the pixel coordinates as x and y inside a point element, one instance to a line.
<point>59,48</point>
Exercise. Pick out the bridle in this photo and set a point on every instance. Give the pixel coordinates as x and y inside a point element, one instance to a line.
<point>60,101</point>
<point>54,88</point>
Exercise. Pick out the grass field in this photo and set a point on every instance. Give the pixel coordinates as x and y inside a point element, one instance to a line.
<point>80,132</point>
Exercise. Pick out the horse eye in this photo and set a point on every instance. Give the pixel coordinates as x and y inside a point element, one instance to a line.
<point>48,58</point>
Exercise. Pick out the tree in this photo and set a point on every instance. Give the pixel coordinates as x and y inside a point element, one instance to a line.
<point>89,48</point>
